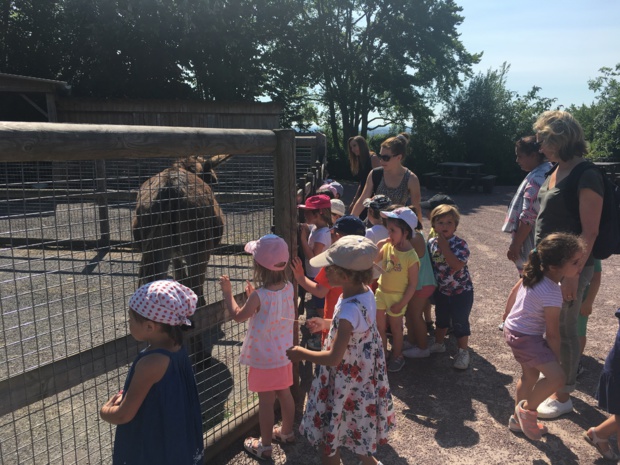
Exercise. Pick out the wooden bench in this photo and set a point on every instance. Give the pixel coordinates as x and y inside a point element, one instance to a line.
<point>488,183</point>
<point>451,184</point>
<point>427,179</point>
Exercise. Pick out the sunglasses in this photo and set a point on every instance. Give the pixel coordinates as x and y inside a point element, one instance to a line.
<point>386,158</point>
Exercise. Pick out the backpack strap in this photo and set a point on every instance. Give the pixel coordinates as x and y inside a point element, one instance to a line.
<point>377,176</point>
<point>571,198</point>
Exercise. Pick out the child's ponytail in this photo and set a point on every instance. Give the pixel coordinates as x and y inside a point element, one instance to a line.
<point>533,271</point>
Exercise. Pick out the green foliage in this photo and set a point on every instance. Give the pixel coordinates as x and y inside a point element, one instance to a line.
<point>484,119</point>
<point>606,122</point>
<point>385,58</point>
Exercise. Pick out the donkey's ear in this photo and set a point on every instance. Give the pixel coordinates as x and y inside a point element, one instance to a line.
<point>215,160</point>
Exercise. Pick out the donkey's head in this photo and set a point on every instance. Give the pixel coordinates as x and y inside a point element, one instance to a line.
<point>202,166</point>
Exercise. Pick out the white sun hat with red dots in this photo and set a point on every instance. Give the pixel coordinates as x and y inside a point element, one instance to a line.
<point>165,301</point>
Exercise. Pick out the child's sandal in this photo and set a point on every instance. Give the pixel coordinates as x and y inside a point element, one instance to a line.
<point>596,442</point>
<point>255,447</point>
<point>277,435</point>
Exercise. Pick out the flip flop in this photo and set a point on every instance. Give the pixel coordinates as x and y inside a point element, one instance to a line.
<point>277,435</point>
<point>259,451</point>
<point>596,442</point>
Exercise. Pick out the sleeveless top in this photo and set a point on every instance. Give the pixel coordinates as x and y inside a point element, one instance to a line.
<point>270,331</point>
<point>398,195</point>
<point>426,276</point>
<point>167,428</point>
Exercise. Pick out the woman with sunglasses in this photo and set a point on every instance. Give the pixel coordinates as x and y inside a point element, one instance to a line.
<point>362,162</point>
<point>398,182</point>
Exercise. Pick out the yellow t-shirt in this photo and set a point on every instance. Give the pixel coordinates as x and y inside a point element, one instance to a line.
<point>396,266</point>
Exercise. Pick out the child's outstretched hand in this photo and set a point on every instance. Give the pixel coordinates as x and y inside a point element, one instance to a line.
<point>295,354</point>
<point>248,288</point>
<point>297,268</point>
<point>316,324</point>
<point>225,284</point>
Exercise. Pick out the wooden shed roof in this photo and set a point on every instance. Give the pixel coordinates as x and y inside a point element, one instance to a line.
<point>16,83</point>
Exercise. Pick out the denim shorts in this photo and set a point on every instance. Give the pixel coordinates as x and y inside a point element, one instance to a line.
<point>453,311</point>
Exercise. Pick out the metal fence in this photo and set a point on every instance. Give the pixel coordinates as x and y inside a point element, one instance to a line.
<point>68,264</point>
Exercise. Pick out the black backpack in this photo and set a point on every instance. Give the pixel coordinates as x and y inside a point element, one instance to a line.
<point>608,241</point>
<point>377,176</point>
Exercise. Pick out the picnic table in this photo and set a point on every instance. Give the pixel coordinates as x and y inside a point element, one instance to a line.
<point>453,177</point>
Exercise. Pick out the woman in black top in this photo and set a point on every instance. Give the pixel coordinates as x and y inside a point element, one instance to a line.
<point>362,162</point>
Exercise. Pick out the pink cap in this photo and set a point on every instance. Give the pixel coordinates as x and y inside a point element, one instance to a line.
<point>328,187</point>
<point>270,251</point>
<point>164,301</point>
<point>317,202</point>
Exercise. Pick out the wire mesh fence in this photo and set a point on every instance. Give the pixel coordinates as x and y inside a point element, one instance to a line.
<point>68,264</point>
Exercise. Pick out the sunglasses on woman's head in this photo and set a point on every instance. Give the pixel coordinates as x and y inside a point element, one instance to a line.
<point>386,158</point>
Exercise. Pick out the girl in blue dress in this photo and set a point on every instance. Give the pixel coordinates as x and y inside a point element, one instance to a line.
<point>158,410</point>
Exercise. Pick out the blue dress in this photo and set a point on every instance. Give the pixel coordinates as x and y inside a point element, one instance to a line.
<point>167,428</point>
<point>608,392</point>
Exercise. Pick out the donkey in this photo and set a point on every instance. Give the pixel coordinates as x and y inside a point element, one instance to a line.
<point>178,220</point>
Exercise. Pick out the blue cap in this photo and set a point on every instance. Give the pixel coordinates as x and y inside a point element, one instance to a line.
<point>349,225</point>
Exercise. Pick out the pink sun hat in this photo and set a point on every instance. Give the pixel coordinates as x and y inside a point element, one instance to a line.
<point>270,251</point>
<point>316,202</point>
<point>165,301</point>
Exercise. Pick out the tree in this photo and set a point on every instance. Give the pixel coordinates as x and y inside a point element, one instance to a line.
<point>484,119</point>
<point>385,57</point>
<point>606,124</point>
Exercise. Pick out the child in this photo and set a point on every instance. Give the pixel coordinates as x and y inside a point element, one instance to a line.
<point>158,410</point>
<point>320,287</point>
<point>349,403</point>
<point>271,311</point>
<point>454,296</point>
<point>416,327</point>
<point>535,304</point>
<point>377,232</point>
<point>399,280</point>
<point>427,207</point>
<point>608,396</point>
<point>315,238</point>
<point>339,189</point>
<point>338,209</point>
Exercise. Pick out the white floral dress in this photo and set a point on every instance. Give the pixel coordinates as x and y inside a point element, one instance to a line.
<point>350,405</point>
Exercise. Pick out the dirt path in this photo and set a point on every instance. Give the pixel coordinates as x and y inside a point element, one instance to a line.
<point>446,416</point>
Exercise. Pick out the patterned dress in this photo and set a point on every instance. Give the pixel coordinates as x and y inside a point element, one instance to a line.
<point>350,405</point>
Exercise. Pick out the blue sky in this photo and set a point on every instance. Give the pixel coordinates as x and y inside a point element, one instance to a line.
<point>557,46</point>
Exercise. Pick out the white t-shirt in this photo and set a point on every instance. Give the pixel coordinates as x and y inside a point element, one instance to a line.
<point>527,315</point>
<point>377,233</point>
<point>349,310</point>
<point>321,236</point>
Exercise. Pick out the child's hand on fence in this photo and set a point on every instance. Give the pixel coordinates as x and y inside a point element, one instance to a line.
<point>297,268</point>
<point>295,354</point>
<point>248,288</point>
<point>225,284</point>
<point>316,324</point>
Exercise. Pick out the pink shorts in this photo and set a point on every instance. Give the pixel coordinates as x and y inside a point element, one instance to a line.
<point>425,292</point>
<point>270,379</point>
<point>531,351</point>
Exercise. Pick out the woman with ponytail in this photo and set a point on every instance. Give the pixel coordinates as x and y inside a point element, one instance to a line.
<point>533,309</point>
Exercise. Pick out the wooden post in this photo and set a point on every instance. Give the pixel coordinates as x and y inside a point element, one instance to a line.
<point>285,211</point>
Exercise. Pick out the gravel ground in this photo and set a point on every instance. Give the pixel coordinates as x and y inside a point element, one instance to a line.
<point>449,416</point>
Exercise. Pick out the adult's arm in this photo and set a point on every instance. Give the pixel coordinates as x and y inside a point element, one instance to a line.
<point>414,192</point>
<point>590,209</point>
<point>368,188</point>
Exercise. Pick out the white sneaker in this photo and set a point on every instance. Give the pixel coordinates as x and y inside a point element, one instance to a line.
<point>462,359</point>
<point>437,348</point>
<point>416,352</point>
<point>553,408</point>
